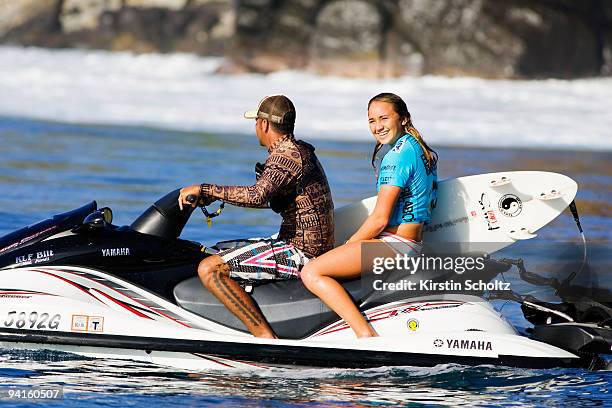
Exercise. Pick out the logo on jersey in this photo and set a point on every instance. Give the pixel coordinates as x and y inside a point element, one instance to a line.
<point>405,199</point>
<point>399,146</point>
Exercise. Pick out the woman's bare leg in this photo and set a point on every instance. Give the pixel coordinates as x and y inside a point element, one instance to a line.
<point>318,275</point>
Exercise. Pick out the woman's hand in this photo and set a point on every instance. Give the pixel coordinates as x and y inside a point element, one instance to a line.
<point>193,190</point>
<point>378,219</point>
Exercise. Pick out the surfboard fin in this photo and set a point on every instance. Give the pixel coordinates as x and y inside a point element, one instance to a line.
<point>521,234</point>
<point>502,181</point>
<point>550,195</point>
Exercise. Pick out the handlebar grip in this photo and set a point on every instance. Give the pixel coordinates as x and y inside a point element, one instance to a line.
<point>191,198</point>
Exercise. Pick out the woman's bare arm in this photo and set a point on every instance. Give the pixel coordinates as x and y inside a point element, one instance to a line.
<point>378,220</point>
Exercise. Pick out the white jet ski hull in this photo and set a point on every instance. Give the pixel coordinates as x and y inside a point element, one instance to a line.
<point>87,312</point>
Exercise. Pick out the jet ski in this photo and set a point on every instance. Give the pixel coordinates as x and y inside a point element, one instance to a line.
<point>77,283</point>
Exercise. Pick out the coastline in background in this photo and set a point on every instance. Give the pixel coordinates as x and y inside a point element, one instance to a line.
<point>354,38</point>
<point>183,92</point>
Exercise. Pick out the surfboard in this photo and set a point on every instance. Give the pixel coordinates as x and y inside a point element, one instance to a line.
<point>481,213</point>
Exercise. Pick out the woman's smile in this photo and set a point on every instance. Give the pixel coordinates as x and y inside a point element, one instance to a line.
<point>385,123</point>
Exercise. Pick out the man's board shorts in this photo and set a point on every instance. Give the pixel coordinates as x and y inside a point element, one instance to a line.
<point>263,259</point>
<point>401,245</point>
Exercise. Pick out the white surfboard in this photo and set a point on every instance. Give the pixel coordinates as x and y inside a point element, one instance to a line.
<point>481,213</point>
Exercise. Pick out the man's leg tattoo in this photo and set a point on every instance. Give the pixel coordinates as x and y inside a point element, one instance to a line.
<point>220,277</point>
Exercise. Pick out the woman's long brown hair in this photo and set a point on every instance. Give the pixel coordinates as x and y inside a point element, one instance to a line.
<point>399,106</point>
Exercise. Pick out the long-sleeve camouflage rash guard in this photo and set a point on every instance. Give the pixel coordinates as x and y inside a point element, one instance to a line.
<point>292,168</point>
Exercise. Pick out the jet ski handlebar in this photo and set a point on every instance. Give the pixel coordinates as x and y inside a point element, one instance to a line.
<point>164,218</point>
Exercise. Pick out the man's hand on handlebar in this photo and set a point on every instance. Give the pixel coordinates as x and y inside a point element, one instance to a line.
<point>189,191</point>
<point>190,195</point>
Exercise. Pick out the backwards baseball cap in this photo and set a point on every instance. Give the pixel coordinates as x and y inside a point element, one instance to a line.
<point>275,108</point>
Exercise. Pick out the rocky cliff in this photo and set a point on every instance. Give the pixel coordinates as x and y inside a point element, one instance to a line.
<point>514,38</point>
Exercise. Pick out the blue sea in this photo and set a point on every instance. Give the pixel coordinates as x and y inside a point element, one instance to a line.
<point>50,167</point>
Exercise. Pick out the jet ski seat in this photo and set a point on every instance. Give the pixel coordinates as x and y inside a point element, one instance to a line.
<point>292,311</point>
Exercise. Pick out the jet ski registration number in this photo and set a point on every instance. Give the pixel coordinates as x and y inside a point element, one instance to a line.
<point>31,320</point>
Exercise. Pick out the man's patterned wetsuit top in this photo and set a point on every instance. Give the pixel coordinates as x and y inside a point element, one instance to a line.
<point>292,166</point>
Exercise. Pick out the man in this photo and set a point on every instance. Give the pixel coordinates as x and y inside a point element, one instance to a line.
<point>293,183</point>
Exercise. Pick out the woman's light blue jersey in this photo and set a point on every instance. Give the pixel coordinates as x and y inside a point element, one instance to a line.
<point>405,166</point>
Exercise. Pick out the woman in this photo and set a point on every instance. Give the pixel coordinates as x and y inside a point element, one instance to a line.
<point>406,185</point>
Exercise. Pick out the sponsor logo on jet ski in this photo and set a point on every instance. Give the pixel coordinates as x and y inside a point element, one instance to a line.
<point>469,344</point>
<point>26,239</point>
<point>510,205</point>
<point>42,256</point>
<point>456,344</point>
<point>116,252</point>
<point>413,324</point>
<point>21,294</point>
<point>32,320</point>
<point>90,324</point>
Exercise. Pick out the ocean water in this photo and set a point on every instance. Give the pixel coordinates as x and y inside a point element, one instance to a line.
<point>119,383</point>
<point>182,91</point>
<point>50,167</point>
<point>125,129</point>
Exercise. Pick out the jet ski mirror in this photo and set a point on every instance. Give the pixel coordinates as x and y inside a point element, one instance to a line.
<point>108,214</point>
<point>99,218</point>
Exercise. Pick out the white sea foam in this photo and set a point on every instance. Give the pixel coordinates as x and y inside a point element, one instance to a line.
<point>181,91</point>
